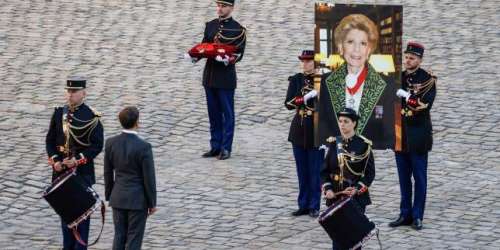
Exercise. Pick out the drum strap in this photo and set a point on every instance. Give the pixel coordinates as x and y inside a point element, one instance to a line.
<point>77,236</point>
<point>378,239</point>
<point>340,160</point>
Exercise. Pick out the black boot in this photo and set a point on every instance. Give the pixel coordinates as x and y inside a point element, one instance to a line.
<point>211,153</point>
<point>417,224</point>
<point>301,211</point>
<point>401,221</point>
<point>224,154</point>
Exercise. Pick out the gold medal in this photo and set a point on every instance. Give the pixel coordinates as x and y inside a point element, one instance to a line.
<point>336,178</point>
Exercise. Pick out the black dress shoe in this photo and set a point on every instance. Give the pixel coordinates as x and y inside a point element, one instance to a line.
<point>314,213</point>
<point>211,153</point>
<point>224,154</point>
<point>417,224</point>
<point>401,221</point>
<point>300,212</point>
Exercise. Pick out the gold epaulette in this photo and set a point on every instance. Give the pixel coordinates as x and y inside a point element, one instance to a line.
<point>429,71</point>
<point>330,139</point>
<point>96,113</point>
<point>368,141</point>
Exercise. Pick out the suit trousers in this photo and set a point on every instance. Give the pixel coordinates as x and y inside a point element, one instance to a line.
<point>129,228</point>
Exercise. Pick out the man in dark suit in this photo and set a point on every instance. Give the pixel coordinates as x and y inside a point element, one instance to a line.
<point>74,139</point>
<point>219,79</point>
<point>417,96</point>
<point>129,178</point>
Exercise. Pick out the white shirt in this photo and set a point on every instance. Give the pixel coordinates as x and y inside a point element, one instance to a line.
<point>353,101</point>
<point>128,131</point>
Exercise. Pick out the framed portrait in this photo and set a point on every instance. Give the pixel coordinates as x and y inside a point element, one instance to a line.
<point>359,54</point>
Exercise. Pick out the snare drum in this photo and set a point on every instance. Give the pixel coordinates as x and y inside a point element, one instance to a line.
<point>73,200</point>
<point>346,224</point>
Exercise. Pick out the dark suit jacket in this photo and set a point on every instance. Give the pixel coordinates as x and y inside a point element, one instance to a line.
<point>228,31</point>
<point>129,174</point>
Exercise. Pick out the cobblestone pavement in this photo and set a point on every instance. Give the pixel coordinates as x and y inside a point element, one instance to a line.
<point>130,52</point>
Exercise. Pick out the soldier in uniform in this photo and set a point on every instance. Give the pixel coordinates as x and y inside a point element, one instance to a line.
<point>417,96</point>
<point>219,79</point>
<point>300,97</point>
<point>74,139</point>
<point>349,167</point>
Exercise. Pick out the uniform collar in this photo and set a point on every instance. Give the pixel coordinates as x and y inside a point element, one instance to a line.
<point>412,72</point>
<point>225,19</point>
<point>348,139</point>
<point>76,107</point>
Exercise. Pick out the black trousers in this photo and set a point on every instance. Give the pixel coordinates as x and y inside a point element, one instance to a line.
<point>129,228</point>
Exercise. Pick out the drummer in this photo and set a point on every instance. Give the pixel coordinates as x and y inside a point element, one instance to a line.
<point>349,167</point>
<point>74,139</point>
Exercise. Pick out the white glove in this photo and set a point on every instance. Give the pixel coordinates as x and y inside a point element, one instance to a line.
<point>324,147</point>
<point>188,58</point>
<point>403,94</point>
<point>224,60</point>
<point>313,93</point>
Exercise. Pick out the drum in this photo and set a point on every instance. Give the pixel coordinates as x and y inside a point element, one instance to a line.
<point>346,224</point>
<point>73,200</point>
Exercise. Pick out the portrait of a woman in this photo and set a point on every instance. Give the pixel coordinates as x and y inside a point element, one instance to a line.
<point>356,85</point>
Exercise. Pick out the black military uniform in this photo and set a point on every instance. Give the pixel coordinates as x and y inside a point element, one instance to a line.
<point>302,126</point>
<point>219,81</point>
<point>416,120</point>
<point>308,156</point>
<point>416,142</point>
<point>75,132</point>
<point>86,138</point>
<point>349,163</point>
<point>225,31</point>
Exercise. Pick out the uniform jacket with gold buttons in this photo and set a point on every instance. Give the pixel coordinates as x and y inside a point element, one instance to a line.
<point>359,174</point>
<point>302,127</point>
<point>416,121</point>
<point>225,31</point>
<point>86,143</point>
